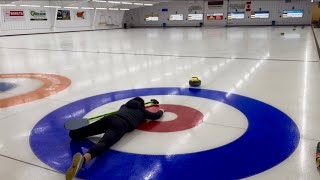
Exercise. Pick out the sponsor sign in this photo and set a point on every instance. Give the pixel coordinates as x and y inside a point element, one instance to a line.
<point>215,16</point>
<point>215,4</point>
<point>260,15</point>
<point>14,15</point>
<point>196,17</point>
<point>80,15</point>
<point>38,15</point>
<point>152,18</point>
<point>63,15</point>
<point>176,17</point>
<point>293,14</point>
<point>236,15</point>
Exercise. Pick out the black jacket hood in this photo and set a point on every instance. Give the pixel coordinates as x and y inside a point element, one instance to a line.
<point>133,104</point>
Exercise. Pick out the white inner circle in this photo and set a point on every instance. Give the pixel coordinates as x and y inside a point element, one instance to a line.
<point>168,116</point>
<point>222,124</point>
<point>23,85</point>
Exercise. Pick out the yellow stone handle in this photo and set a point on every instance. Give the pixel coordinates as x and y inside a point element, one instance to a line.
<point>194,79</point>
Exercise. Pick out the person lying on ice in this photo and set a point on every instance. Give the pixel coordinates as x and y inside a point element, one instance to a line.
<point>114,127</point>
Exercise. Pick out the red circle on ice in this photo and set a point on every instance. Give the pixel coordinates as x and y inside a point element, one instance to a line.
<point>187,118</point>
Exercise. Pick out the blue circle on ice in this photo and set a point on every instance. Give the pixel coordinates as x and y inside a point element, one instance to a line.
<point>271,137</point>
<point>5,86</point>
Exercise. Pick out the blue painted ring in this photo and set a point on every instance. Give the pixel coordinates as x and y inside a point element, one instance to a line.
<point>271,137</point>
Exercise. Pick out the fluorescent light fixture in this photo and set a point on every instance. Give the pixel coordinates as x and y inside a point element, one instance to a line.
<point>114,2</point>
<point>139,4</point>
<point>8,5</point>
<point>25,5</point>
<point>126,3</point>
<point>52,6</point>
<point>87,8</point>
<point>114,9</point>
<point>99,1</point>
<point>148,4</point>
<point>70,7</point>
<point>123,9</point>
<point>101,8</point>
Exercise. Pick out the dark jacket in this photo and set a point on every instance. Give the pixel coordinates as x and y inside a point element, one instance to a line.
<point>136,114</point>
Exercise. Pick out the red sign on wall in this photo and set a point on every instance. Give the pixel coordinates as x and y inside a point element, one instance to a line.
<point>248,8</point>
<point>215,16</point>
<point>16,13</point>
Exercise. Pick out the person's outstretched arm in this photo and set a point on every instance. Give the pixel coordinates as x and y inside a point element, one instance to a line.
<point>153,116</point>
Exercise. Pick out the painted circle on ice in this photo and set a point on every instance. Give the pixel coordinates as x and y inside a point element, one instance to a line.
<point>51,84</point>
<point>6,86</point>
<point>271,137</point>
<point>187,118</point>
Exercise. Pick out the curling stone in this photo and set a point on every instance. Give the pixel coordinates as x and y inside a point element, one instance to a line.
<point>195,82</point>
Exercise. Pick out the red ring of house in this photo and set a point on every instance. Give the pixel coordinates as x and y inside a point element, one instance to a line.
<point>52,84</point>
<point>187,118</point>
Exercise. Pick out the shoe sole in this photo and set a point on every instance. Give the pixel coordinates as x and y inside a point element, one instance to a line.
<point>76,165</point>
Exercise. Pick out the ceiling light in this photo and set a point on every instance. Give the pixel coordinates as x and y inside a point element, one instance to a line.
<point>126,3</point>
<point>99,1</point>
<point>139,4</point>
<point>25,5</point>
<point>11,5</point>
<point>113,9</point>
<point>52,6</point>
<point>114,2</point>
<point>148,4</point>
<point>71,7</point>
<point>87,8</point>
<point>123,9</point>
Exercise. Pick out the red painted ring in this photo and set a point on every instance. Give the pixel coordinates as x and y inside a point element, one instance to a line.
<point>187,118</point>
<point>52,84</point>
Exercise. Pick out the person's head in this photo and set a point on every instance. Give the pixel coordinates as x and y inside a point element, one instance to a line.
<point>140,100</point>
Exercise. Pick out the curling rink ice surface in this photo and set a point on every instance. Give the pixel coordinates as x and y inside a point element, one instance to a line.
<point>255,116</point>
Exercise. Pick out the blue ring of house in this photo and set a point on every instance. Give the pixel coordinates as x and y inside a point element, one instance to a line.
<point>271,137</point>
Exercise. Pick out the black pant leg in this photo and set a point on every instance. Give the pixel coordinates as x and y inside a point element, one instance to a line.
<point>95,128</point>
<point>117,130</point>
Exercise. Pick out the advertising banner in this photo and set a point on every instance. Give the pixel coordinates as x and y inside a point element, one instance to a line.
<point>215,4</point>
<point>293,14</point>
<point>13,15</point>
<point>215,16</point>
<point>151,18</point>
<point>176,17</point>
<point>63,15</point>
<point>260,15</point>
<point>38,15</point>
<point>80,15</point>
<point>195,17</point>
<point>236,15</point>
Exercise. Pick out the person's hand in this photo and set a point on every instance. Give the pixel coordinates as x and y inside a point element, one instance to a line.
<point>162,110</point>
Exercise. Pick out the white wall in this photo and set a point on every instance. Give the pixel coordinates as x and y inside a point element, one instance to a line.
<point>74,23</point>
<point>211,10</point>
<point>108,19</point>
<point>136,17</point>
<point>23,24</point>
<point>276,9</point>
